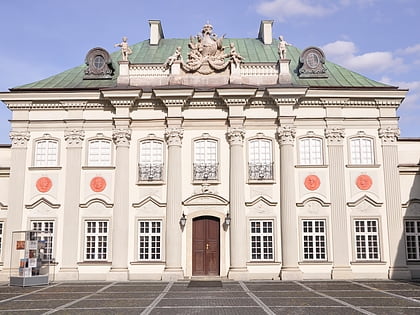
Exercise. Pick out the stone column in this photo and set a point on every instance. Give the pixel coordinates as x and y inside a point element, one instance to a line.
<point>120,219</point>
<point>238,226</point>
<point>397,255</point>
<point>16,195</point>
<point>173,268</point>
<point>74,140</point>
<point>339,224</point>
<point>289,235</point>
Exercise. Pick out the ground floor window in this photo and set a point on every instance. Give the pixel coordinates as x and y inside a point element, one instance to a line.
<point>150,240</point>
<point>1,237</point>
<point>412,239</point>
<point>314,240</point>
<point>366,239</point>
<point>48,237</point>
<point>262,247</point>
<point>96,240</point>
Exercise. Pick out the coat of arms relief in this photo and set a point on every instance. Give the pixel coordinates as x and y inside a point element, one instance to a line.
<point>207,54</point>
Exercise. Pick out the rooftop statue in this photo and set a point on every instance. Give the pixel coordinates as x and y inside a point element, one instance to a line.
<point>207,53</point>
<point>282,47</point>
<point>125,50</point>
<point>171,59</point>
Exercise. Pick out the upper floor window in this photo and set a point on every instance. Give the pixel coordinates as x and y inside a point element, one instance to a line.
<point>361,151</point>
<point>151,160</point>
<point>99,152</point>
<point>46,152</point>
<point>310,151</point>
<point>205,165</point>
<point>260,160</point>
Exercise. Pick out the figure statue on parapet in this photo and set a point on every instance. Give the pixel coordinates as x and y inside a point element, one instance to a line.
<point>174,57</point>
<point>282,47</point>
<point>125,50</point>
<point>236,58</point>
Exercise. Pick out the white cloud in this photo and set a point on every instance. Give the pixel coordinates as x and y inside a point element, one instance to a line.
<point>410,50</point>
<point>283,9</point>
<point>345,53</point>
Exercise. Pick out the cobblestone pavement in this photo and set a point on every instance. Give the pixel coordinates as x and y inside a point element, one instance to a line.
<point>226,297</point>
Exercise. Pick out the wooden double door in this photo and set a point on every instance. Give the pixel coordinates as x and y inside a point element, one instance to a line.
<point>206,246</point>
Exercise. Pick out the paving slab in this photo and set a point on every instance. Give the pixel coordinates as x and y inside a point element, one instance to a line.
<point>385,301</point>
<point>209,311</point>
<point>114,303</point>
<point>315,310</point>
<point>393,310</point>
<point>300,301</point>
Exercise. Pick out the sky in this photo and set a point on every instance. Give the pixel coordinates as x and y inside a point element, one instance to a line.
<point>376,38</point>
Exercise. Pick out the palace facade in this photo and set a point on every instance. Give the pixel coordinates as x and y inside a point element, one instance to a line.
<point>243,158</point>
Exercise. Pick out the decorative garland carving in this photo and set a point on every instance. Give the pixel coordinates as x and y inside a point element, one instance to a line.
<point>236,135</point>
<point>174,136</point>
<point>121,137</point>
<point>389,134</point>
<point>19,138</point>
<point>286,134</point>
<point>74,137</point>
<point>334,135</point>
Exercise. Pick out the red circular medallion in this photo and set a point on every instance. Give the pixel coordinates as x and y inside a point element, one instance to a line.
<point>364,182</point>
<point>43,184</point>
<point>97,184</point>
<point>312,182</point>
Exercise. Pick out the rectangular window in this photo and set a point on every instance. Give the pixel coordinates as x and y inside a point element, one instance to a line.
<point>96,240</point>
<point>262,247</point>
<point>260,160</point>
<point>46,153</point>
<point>412,239</point>
<point>310,151</point>
<point>150,240</point>
<point>314,240</point>
<point>48,237</point>
<point>205,160</point>
<point>361,151</point>
<point>99,153</point>
<point>151,160</point>
<point>366,239</point>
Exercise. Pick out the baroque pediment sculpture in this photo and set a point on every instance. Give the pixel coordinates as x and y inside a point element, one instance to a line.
<point>207,53</point>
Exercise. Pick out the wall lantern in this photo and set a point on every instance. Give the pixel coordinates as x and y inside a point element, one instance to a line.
<point>227,219</point>
<point>183,220</point>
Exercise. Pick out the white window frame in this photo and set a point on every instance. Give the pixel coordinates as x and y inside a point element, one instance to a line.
<point>96,238</point>
<point>314,240</point>
<point>261,243</point>
<point>47,226</point>
<point>46,156</point>
<point>362,151</point>
<point>151,160</point>
<point>413,251</point>
<point>366,242</point>
<point>205,159</point>
<point>150,241</point>
<point>260,159</point>
<point>311,151</point>
<point>104,152</point>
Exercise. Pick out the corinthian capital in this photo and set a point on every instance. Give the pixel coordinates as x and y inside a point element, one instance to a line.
<point>174,136</point>
<point>19,138</point>
<point>236,135</point>
<point>334,135</point>
<point>121,137</point>
<point>74,137</point>
<point>389,134</point>
<point>286,134</point>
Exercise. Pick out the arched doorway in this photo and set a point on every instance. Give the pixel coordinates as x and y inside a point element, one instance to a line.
<point>206,246</point>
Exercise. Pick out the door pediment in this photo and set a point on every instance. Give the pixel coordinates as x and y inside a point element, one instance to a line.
<point>207,199</point>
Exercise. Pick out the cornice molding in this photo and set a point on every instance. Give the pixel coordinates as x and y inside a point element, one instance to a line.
<point>364,198</point>
<point>205,199</point>
<point>321,202</point>
<point>260,199</point>
<point>147,200</point>
<point>96,200</point>
<point>42,201</point>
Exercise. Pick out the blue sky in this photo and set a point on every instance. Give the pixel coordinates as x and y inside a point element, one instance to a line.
<point>377,38</point>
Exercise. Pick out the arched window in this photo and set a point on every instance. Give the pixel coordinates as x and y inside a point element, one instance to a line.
<point>46,152</point>
<point>361,151</point>
<point>99,152</point>
<point>151,160</point>
<point>260,159</point>
<point>310,151</point>
<point>205,166</point>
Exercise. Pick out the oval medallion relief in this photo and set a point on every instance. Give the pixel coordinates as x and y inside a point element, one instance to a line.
<point>312,182</point>
<point>363,182</point>
<point>43,184</point>
<point>97,184</point>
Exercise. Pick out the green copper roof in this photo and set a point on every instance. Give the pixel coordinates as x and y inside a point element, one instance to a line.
<point>252,49</point>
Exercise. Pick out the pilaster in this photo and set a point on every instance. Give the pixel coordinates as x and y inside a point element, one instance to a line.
<point>339,221</point>
<point>16,195</point>
<point>289,237</point>
<point>397,251</point>
<point>74,140</point>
